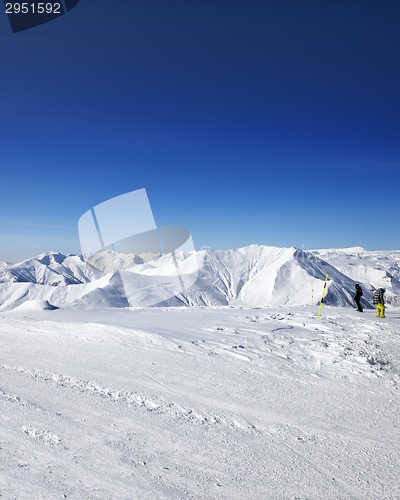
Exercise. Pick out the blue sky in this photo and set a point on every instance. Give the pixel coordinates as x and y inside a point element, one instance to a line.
<point>248,122</point>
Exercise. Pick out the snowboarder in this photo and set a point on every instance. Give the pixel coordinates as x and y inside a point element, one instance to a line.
<point>357,297</point>
<point>379,301</point>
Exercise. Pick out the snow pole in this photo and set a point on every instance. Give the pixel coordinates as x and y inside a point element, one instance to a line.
<point>323,295</point>
<point>312,295</point>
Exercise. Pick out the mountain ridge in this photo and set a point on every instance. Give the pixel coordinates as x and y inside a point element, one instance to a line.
<point>256,275</point>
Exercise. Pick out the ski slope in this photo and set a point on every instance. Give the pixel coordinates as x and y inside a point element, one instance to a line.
<point>200,403</point>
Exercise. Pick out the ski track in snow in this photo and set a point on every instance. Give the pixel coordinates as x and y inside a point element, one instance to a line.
<point>131,399</point>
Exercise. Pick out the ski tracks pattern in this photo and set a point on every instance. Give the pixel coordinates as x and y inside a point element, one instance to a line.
<point>126,398</point>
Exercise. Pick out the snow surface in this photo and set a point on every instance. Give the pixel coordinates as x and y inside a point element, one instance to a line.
<point>35,305</point>
<point>200,403</point>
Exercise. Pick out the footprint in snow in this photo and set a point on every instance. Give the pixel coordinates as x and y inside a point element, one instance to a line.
<point>41,435</point>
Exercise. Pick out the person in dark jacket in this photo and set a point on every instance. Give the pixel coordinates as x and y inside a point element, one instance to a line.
<point>357,297</point>
<point>379,301</point>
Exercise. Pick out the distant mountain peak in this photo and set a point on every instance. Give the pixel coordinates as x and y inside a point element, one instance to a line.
<point>49,258</point>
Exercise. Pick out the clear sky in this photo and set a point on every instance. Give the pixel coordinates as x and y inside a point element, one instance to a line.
<point>268,122</point>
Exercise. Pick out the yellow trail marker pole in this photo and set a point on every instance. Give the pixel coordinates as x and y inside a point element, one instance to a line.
<point>323,295</point>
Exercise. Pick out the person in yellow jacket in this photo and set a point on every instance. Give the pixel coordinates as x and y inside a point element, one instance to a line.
<point>379,301</point>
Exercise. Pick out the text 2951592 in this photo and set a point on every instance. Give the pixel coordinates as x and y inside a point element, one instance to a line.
<point>33,8</point>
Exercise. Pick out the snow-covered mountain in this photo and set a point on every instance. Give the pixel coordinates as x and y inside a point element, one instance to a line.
<point>49,269</point>
<point>373,269</point>
<point>254,275</point>
<point>261,276</point>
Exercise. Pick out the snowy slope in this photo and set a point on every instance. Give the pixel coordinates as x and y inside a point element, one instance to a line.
<point>254,275</point>
<point>227,403</point>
